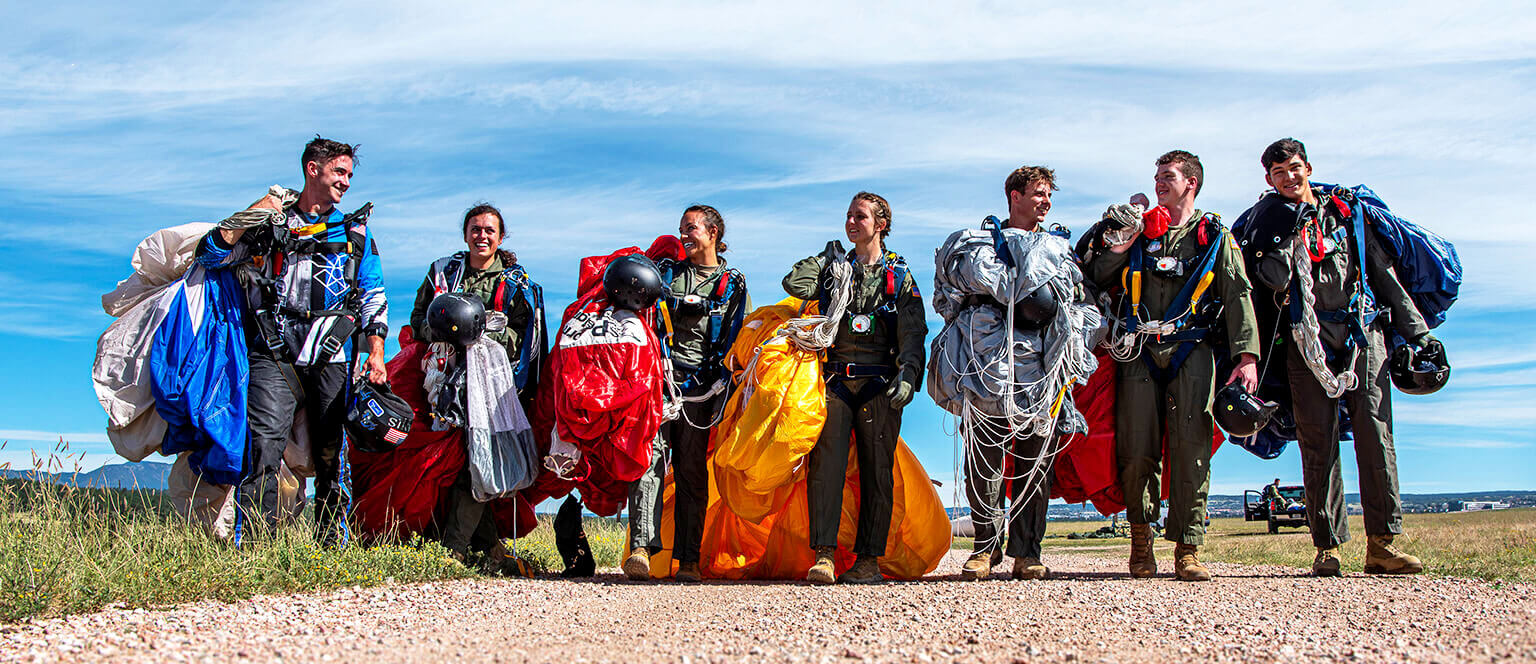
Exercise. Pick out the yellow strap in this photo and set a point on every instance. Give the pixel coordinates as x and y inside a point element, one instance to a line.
<point>311,229</point>
<point>1135,289</point>
<point>1060,397</point>
<point>1205,282</point>
<point>666,316</point>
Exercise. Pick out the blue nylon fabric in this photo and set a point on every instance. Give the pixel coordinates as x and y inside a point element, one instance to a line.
<point>1426,263</point>
<point>199,376</point>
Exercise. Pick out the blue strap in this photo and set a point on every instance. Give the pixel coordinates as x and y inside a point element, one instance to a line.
<point>999,244</point>
<point>1186,335</point>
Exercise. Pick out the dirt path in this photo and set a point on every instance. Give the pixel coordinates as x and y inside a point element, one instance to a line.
<point>1089,612</point>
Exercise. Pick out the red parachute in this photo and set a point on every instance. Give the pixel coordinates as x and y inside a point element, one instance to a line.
<point>397,493</point>
<point>602,392</point>
<point>1085,470</point>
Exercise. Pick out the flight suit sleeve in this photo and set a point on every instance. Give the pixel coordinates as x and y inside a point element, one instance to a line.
<point>1390,292</point>
<point>424,296</point>
<point>1103,270</point>
<point>1236,293</point>
<point>911,333</point>
<point>803,280</point>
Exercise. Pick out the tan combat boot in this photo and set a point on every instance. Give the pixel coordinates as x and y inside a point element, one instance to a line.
<point>1186,563</point>
<point>1381,558</point>
<point>866,569</point>
<point>979,565</point>
<point>824,571</point>
<point>1143,564</point>
<point>637,566</point>
<point>687,572</point>
<point>1327,562</point>
<point>1029,569</point>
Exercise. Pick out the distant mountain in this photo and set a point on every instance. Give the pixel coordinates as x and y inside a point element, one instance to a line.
<point>142,475</point>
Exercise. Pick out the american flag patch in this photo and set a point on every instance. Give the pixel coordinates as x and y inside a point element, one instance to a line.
<point>394,435</point>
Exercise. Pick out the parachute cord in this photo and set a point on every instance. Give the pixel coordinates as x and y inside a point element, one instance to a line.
<point>1029,408</point>
<point>1305,331</point>
<point>816,333</point>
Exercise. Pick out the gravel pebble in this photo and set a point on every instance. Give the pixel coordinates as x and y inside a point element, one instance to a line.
<point>1089,611</point>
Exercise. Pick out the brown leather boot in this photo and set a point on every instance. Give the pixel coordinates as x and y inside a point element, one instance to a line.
<point>1327,562</point>
<point>687,572</point>
<point>1029,569</point>
<point>824,571</point>
<point>1186,563</point>
<point>979,565</point>
<point>637,566</point>
<point>1143,564</point>
<point>866,569</point>
<point>1381,558</point>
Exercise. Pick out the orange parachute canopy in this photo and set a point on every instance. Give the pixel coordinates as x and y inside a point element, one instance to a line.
<point>757,525</point>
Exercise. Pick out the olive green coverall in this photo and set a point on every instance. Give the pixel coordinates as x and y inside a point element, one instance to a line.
<point>895,340</point>
<point>1145,408</point>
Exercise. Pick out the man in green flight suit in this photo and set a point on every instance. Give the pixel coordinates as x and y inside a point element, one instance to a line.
<point>1180,284</point>
<point>705,304</point>
<point>874,365</point>
<point>1353,342</point>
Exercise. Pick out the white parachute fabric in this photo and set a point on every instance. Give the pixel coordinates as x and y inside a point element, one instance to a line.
<point>120,374</point>
<point>503,457</point>
<point>980,360</point>
<point>1004,382</point>
<point>212,506</point>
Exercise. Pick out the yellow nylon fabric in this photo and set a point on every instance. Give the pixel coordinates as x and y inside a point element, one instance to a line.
<point>757,523</point>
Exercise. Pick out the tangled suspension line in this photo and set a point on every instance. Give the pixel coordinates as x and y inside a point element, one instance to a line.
<point>1305,332</point>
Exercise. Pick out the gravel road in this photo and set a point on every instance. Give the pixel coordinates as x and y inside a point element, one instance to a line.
<point>1089,612</point>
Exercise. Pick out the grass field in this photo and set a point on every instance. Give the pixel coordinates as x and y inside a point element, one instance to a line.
<point>66,550</point>
<point>1497,546</point>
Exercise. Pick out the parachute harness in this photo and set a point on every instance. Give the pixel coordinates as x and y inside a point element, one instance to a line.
<point>1031,408</point>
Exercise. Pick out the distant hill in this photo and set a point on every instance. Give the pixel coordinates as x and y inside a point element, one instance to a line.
<point>141,475</point>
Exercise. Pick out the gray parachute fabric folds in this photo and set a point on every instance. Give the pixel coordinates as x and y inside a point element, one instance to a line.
<point>503,457</point>
<point>980,360</point>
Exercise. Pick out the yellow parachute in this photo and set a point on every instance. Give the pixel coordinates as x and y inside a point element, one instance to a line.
<point>757,524</point>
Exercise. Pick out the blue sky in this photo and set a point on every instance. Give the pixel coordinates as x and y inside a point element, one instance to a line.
<point>593,125</point>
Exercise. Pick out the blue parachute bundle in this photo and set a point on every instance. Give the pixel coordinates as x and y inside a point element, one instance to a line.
<point>199,371</point>
<point>1426,264</point>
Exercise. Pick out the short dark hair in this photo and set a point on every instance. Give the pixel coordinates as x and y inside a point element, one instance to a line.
<point>882,209</point>
<point>713,220</point>
<point>1021,178</point>
<point>484,208</point>
<point>323,150</point>
<point>1281,151</point>
<point>1187,163</point>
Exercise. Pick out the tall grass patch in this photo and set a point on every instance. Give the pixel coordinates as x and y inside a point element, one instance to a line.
<point>65,549</point>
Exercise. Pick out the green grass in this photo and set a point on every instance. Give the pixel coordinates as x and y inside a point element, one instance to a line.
<point>605,535</point>
<point>66,550</point>
<point>1495,546</point>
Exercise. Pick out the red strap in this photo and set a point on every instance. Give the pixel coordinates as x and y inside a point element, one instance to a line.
<point>501,289</point>
<point>720,285</point>
<point>1342,207</point>
<point>890,281</point>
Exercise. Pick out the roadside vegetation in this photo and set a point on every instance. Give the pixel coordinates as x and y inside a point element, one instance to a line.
<point>65,549</point>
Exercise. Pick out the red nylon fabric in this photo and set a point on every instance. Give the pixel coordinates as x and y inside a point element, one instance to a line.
<point>1085,471</point>
<point>603,395</point>
<point>397,492</point>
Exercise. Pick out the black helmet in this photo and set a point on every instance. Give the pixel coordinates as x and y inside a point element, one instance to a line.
<point>456,318</point>
<point>1035,310</point>
<point>1420,369</point>
<point>1239,413</point>
<point>632,282</point>
<point>377,420</point>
